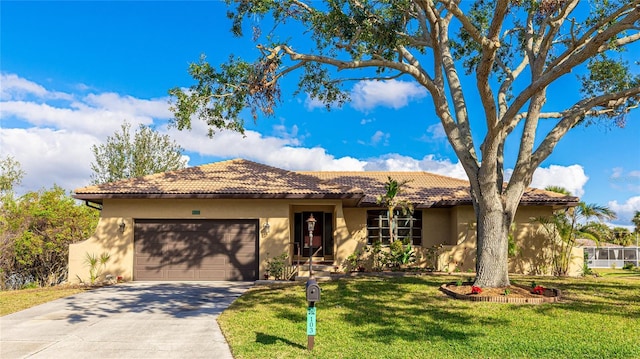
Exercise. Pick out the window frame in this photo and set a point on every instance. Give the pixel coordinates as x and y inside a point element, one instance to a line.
<point>378,227</point>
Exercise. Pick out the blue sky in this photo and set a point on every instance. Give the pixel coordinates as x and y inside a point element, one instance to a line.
<point>72,72</point>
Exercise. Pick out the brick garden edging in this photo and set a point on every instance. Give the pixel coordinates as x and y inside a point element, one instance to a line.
<point>550,295</point>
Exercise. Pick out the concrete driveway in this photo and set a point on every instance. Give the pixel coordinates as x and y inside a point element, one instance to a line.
<point>131,320</point>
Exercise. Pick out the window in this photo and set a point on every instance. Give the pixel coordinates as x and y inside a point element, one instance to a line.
<point>409,226</point>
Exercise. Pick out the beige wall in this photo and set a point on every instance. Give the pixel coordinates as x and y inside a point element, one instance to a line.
<point>353,231</point>
<point>535,250</point>
<point>108,238</point>
<point>278,213</point>
<point>452,229</point>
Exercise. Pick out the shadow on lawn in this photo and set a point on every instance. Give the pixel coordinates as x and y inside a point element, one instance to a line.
<point>384,309</point>
<point>408,308</point>
<point>267,339</point>
<point>380,309</point>
<point>613,298</point>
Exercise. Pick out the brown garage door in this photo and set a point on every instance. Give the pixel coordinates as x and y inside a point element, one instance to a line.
<point>195,250</point>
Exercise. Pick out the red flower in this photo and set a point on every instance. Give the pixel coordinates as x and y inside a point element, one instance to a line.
<point>538,290</point>
<point>476,290</point>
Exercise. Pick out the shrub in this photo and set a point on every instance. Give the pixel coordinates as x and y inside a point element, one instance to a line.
<point>353,260</point>
<point>276,266</point>
<point>585,266</point>
<point>400,254</point>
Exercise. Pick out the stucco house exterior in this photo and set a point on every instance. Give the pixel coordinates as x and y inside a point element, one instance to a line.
<point>225,220</point>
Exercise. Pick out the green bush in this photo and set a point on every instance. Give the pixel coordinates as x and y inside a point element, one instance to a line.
<point>400,254</point>
<point>585,266</point>
<point>35,232</point>
<point>276,266</point>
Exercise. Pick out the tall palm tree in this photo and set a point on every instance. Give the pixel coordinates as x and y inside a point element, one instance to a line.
<point>636,221</point>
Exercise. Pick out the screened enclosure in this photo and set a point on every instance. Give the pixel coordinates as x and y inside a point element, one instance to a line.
<point>608,257</point>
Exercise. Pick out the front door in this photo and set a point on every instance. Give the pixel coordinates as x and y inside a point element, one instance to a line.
<point>321,244</point>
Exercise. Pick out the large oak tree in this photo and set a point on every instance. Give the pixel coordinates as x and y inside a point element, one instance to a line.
<point>514,51</point>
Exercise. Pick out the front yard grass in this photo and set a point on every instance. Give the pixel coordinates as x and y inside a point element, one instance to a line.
<point>12,301</point>
<point>379,317</point>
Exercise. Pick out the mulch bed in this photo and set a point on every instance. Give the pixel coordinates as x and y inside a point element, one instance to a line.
<point>517,294</point>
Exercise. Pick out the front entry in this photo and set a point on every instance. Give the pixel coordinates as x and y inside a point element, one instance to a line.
<point>322,235</point>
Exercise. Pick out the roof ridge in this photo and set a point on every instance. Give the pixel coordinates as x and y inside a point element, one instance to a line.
<point>391,173</point>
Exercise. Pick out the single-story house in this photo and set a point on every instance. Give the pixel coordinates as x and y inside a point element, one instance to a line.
<point>226,220</point>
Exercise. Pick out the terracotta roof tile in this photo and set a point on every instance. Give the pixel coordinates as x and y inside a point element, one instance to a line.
<point>246,179</point>
<point>233,177</point>
<point>426,189</point>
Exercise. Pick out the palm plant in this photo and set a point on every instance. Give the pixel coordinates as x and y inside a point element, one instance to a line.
<point>565,226</point>
<point>390,199</point>
<point>636,221</point>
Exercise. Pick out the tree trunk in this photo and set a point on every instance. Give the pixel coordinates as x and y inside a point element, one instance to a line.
<point>492,268</point>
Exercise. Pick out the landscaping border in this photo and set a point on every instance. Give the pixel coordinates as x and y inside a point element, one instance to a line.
<point>551,295</point>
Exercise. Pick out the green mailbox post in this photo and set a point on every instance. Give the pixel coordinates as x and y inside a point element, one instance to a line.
<point>313,296</point>
<point>312,290</point>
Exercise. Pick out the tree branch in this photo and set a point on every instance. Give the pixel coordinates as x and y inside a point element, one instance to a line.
<point>575,114</point>
<point>588,36</point>
<point>483,70</point>
<point>552,73</point>
<point>475,33</point>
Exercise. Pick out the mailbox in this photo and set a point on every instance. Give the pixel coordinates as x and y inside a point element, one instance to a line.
<point>313,291</point>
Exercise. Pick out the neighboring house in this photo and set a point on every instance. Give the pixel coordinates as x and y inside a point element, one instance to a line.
<point>223,221</point>
<point>608,255</point>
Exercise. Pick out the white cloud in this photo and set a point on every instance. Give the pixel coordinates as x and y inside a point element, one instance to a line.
<point>380,137</point>
<point>626,181</point>
<point>282,152</point>
<point>49,156</point>
<point>626,210</point>
<point>572,178</point>
<point>97,114</point>
<point>311,103</point>
<point>429,163</point>
<point>436,131</point>
<point>15,87</point>
<point>392,93</point>
<point>157,108</point>
<point>281,131</point>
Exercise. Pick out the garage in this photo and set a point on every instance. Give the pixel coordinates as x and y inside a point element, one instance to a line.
<point>195,250</point>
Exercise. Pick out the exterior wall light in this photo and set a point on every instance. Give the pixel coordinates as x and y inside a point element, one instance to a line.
<point>122,225</point>
<point>266,228</point>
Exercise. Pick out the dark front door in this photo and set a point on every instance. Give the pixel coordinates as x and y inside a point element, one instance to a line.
<point>322,238</point>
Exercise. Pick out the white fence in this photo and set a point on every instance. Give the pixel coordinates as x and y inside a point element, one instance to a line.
<point>612,257</point>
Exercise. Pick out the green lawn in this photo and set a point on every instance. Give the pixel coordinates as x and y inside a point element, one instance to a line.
<point>409,318</point>
<point>12,301</point>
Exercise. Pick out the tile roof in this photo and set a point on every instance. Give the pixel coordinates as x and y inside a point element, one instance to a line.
<point>584,242</point>
<point>241,178</point>
<point>426,189</point>
<point>228,179</point>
